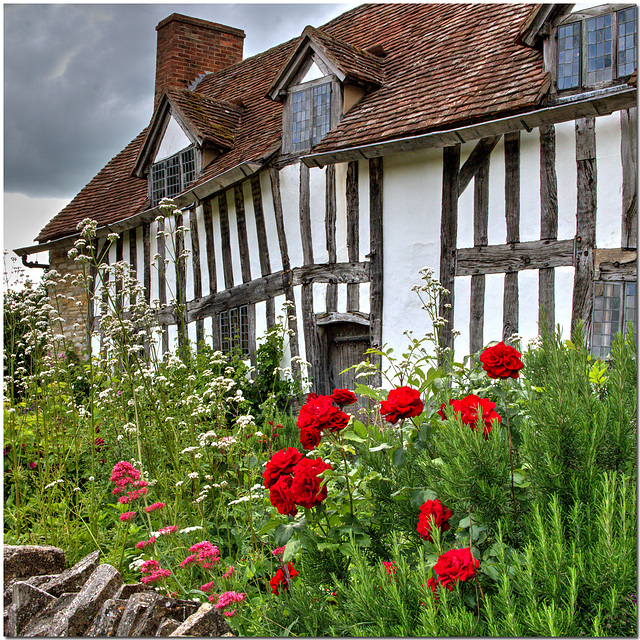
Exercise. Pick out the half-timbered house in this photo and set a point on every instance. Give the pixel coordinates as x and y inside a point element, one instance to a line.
<point>495,143</point>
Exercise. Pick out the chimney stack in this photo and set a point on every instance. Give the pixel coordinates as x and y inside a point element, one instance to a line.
<point>189,47</point>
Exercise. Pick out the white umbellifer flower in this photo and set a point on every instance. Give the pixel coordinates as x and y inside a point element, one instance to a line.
<point>239,500</point>
<point>179,483</point>
<point>257,487</point>
<point>189,450</point>
<point>224,484</point>
<point>193,475</point>
<point>189,529</point>
<point>136,563</point>
<point>91,479</point>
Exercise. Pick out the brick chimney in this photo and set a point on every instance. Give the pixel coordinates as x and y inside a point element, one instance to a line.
<point>188,47</point>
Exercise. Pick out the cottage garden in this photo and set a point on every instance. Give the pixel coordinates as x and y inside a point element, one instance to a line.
<point>490,497</point>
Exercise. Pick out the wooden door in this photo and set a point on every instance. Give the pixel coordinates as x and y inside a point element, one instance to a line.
<point>347,343</point>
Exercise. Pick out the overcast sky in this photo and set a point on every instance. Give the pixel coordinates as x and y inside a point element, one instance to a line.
<point>78,87</point>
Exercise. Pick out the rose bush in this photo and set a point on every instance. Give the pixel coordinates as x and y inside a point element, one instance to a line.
<point>401,403</point>
<point>472,409</point>
<point>433,513</point>
<point>501,361</point>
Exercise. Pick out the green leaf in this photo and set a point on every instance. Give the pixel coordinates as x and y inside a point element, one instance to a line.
<point>269,526</point>
<point>399,457</point>
<point>420,496</point>
<point>292,547</point>
<point>380,447</point>
<point>353,437</point>
<point>360,429</point>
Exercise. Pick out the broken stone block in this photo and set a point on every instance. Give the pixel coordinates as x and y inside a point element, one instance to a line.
<point>127,590</point>
<point>27,602</point>
<point>103,583</point>
<point>207,621</point>
<point>73,578</point>
<point>137,606</point>
<point>167,627</point>
<point>106,622</point>
<point>21,561</point>
<point>40,626</point>
<point>34,581</point>
<point>147,624</point>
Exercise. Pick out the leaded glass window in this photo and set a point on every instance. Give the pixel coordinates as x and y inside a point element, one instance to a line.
<point>627,33</point>
<point>311,116</point>
<point>234,330</point>
<point>599,67</point>
<point>614,307</point>
<point>569,56</point>
<point>171,176</point>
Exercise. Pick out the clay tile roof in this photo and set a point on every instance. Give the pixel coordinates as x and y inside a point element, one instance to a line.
<point>356,63</point>
<point>211,120</point>
<point>446,65</point>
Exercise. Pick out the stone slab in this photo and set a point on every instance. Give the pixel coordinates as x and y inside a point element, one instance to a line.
<point>137,606</point>
<point>106,622</point>
<point>27,603</point>
<point>23,561</point>
<point>73,578</point>
<point>40,626</point>
<point>207,622</point>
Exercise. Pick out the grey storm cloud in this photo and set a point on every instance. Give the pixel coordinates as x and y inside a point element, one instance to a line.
<point>78,81</point>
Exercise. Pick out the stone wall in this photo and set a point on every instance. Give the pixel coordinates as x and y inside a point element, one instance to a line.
<point>72,301</point>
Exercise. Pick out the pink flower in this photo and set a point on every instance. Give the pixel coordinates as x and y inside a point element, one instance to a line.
<point>229,597</point>
<point>128,515</point>
<point>154,507</point>
<point>32,465</point>
<point>229,614</point>
<point>146,543</point>
<point>208,586</point>
<point>188,560</point>
<point>208,555</point>
<point>390,567</point>
<point>279,551</point>
<point>166,530</point>
<point>156,576</point>
<point>124,473</point>
<point>149,566</point>
<point>229,573</point>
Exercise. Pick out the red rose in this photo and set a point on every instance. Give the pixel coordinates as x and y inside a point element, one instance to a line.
<point>501,361</point>
<point>310,438</point>
<point>280,579</point>
<point>432,513</point>
<point>471,408</point>
<point>456,565</point>
<point>343,397</point>
<point>402,402</point>
<point>305,487</point>
<point>281,497</point>
<point>282,463</point>
<point>316,412</point>
<point>338,421</point>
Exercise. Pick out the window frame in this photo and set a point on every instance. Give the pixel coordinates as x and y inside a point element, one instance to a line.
<point>287,115</point>
<point>582,17</point>
<point>603,350</point>
<point>164,164</point>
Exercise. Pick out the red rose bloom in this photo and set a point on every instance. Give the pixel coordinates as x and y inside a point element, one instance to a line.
<point>280,581</point>
<point>338,421</point>
<point>281,497</point>
<point>305,487</point>
<point>456,565</point>
<point>282,463</point>
<point>472,408</point>
<point>501,361</point>
<point>402,402</point>
<point>310,438</point>
<point>432,513</point>
<point>343,397</point>
<point>316,412</point>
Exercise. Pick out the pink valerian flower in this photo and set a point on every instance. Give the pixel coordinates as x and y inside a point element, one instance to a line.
<point>279,552</point>
<point>32,465</point>
<point>165,530</point>
<point>156,576</point>
<point>128,515</point>
<point>154,507</point>
<point>146,543</point>
<point>229,597</point>
<point>208,555</point>
<point>208,586</point>
<point>133,495</point>
<point>229,572</point>
<point>124,473</point>
<point>229,614</point>
<point>188,560</point>
<point>149,566</point>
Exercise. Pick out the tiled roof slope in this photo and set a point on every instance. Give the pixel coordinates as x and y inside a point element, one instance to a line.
<point>112,195</point>
<point>446,64</point>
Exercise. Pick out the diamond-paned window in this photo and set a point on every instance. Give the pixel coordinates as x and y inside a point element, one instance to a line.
<point>311,116</point>
<point>171,176</point>
<point>614,307</point>
<point>234,330</point>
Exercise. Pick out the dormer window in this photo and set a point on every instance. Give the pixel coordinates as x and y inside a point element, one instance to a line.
<point>311,114</point>
<point>596,47</point>
<point>171,176</point>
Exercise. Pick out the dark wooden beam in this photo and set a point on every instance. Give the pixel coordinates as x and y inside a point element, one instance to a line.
<point>476,159</point>
<point>225,241</point>
<point>243,241</point>
<point>353,235</point>
<point>330,231</point>
<point>512,214</point>
<point>629,148</point>
<point>587,203</point>
<point>376,275</point>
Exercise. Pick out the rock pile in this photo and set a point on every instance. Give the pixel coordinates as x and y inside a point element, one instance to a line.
<point>41,599</point>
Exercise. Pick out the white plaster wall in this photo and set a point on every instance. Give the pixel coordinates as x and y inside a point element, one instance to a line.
<point>528,303</point>
<point>233,237</point>
<point>270,222</point>
<point>342,298</point>
<point>217,247</point>
<point>170,268</point>
<point>278,301</point>
<point>317,202</point>
<point>529,186</point>
<point>493,307</point>
<point>191,332</point>
<point>252,231</point>
<point>153,240</point>
<point>363,203</point>
<point>461,311</point>
<point>319,297</point>
<point>342,254</point>
<point>260,309</point>
<point>208,331</point>
<point>189,284</point>
<point>365,297</point>
<point>564,295</point>
<point>172,332</point>
<point>297,294</point>
<point>202,237</point>
<point>411,208</point>
<point>290,193</point>
<point>174,140</point>
<point>609,185</point>
<point>497,224</point>
<point>567,179</point>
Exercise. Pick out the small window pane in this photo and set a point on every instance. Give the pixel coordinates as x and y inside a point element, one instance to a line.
<point>627,54</point>
<point>188,161</point>
<point>614,306</point>
<point>569,43</point>
<point>601,27</point>
<point>157,183</point>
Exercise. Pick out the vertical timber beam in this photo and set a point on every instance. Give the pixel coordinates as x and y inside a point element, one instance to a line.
<point>376,264</point>
<point>211,265</point>
<point>548,224</point>
<point>263,245</point>
<point>225,241</point>
<point>197,274</point>
<point>512,213</point>
<point>629,148</point>
<point>585,222</point>
<point>330,231</point>
<point>448,238</point>
<point>133,256</point>
<point>243,241</point>
<point>274,177</point>
<point>480,239</point>
<point>353,235</point>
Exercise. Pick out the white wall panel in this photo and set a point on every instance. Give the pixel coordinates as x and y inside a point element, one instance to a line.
<point>363,201</point>
<point>217,247</point>
<point>317,205</point>
<point>609,168</point>
<point>188,245</point>
<point>567,179</point>
<point>233,236</point>
<point>528,303</point>
<point>270,222</point>
<point>319,297</point>
<point>493,306</point>
<point>290,192</point>
<point>497,225</point>
<point>342,254</point>
<point>202,237</point>
<point>252,231</point>
<point>530,186</point>
<point>564,295</point>
<point>461,316</point>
